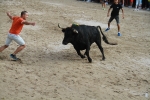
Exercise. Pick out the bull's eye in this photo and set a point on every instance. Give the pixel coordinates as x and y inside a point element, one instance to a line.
<point>63,30</point>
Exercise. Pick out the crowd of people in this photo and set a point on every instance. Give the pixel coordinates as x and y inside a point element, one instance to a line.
<point>137,4</point>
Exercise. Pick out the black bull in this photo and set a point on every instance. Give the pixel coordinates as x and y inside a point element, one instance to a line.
<point>82,36</point>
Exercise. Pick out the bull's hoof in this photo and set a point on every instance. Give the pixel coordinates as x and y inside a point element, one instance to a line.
<point>82,56</point>
<point>103,59</point>
<point>90,60</point>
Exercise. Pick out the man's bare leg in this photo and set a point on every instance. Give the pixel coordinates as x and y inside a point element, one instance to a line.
<point>21,47</point>
<point>3,48</point>
<point>118,27</point>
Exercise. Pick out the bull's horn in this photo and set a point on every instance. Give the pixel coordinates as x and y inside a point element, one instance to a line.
<point>74,30</point>
<point>59,26</point>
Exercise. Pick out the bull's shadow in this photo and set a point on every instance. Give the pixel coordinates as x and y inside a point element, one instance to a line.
<point>68,55</point>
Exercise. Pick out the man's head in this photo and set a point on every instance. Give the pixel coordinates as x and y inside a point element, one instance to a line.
<point>116,1</point>
<point>24,14</point>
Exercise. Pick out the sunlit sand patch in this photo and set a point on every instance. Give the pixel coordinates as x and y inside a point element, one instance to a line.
<point>54,4</point>
<point>36,27</point>
<point>58,47</point>
<point>145,62</point>
<point>9,2</point>
<point>36,13</point>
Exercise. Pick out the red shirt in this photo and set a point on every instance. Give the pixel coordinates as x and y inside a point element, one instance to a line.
<point>16,25</point>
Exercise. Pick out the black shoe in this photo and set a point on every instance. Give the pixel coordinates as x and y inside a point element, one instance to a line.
<point>13,57</point>
<point>107,29</point>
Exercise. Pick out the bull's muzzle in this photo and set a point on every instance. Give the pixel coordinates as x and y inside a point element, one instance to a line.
<point>64,43</point>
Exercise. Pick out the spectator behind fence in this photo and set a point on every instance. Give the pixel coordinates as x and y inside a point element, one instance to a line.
<point>131,3</point>
<point>121,2</point>
<point>104,4</point>
<point>148,5</point>
<point>138,5</point>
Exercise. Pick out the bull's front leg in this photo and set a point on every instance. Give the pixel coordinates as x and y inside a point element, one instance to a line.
<point>79,53</point>
<point>87,54</point>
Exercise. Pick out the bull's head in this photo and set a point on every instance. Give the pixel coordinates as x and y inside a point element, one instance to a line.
<point>69,34</point>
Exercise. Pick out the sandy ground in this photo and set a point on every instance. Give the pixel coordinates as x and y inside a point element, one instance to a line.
<point>52,71</point>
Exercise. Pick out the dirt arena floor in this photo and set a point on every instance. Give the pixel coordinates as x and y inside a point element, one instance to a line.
<point>52,71</point>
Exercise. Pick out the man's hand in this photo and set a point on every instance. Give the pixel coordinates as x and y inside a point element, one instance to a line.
<point>122,13</point>
<point>122,16</point>
<point>8,14</point>
<point>33,24</point>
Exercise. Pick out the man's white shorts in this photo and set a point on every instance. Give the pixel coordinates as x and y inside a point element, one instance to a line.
<point>14,37</point>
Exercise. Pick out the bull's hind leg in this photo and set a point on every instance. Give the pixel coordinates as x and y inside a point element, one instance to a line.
<point>101,49</point>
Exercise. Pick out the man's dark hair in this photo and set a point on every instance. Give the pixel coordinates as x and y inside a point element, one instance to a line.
<point>23,12</point>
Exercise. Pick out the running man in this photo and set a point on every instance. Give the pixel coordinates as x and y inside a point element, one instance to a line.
<point>14,32</point>
<point>138,5</point>
<point>115,15</point>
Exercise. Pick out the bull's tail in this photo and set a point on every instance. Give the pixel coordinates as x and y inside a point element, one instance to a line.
<point>105,38</point>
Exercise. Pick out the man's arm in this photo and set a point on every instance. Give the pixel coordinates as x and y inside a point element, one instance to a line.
<point>8,14</point>
<point>122,13</point>
<point>28,23</point>
<point>108,12</point>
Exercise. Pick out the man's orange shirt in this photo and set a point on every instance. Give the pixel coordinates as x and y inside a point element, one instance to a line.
<point>16,25</point>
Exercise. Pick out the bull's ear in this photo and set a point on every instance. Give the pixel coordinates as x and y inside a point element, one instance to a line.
<point>63,30</point>
<point>75,31</point>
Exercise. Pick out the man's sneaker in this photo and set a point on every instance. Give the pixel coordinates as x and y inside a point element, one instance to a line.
<point>107,29</point>
<point>103,8</point>
<point>136,10</point>
<point>119,34</point>
<point>13,56</point>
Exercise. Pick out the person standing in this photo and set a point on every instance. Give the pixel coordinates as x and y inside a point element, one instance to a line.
<point>104,4</point>
<point>115,15</point>
<point>17,25</point>
<point>131,3</point>
<point>148,5</point>
<point>138,5</point>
